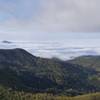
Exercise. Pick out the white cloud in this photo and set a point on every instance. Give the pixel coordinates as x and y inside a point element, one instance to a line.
<point>70,16</point>
<point>53,49</point>
<point>49,18</point>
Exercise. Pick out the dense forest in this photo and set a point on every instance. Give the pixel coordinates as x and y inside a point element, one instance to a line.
<point>88,61</point>
<point>26,77</point>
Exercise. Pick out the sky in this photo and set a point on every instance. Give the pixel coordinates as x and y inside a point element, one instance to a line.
<point>49,19</point>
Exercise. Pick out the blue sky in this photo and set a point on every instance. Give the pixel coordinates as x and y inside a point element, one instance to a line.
<point>49,19</point>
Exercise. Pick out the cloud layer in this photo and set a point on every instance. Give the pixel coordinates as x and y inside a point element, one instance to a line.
<point>70,15</point>
<point>60,50</point>
<point>26,18</point>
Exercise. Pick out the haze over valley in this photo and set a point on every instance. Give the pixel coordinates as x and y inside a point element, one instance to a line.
<point>64,50</point>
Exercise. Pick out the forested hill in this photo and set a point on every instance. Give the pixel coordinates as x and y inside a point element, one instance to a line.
<point>87,61</point>
<point>21,71</point>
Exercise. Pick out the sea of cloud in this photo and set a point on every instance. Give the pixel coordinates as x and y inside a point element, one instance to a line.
<point>49,49</point>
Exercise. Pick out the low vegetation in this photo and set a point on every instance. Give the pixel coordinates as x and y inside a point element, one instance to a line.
<point>9,94</point>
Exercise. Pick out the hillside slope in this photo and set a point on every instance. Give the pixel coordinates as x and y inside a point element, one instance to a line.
<point>87,61</point>
<point>20,70</point>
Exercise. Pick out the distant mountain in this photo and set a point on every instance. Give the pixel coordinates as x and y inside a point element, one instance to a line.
<point>87,61</point>
<point>21,71</point>
<point>7,42</point>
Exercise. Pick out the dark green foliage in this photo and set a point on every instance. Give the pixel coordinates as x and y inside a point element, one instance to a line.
<point>21,71</point>
<point>88,61</point>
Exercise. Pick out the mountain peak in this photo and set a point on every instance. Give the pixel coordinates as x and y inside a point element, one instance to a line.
<point>13,51</point>
<point>5,41</point>
<point>16,56</point>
